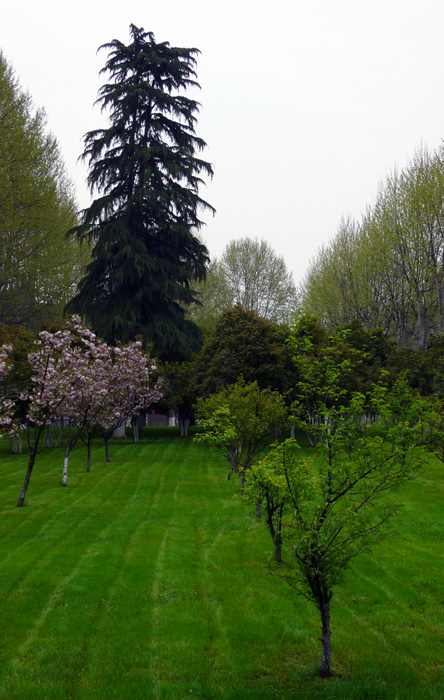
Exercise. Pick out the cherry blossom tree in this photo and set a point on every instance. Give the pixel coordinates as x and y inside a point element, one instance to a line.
<point>76,374</point>
<point>132,387</point>
<point>54,381</point>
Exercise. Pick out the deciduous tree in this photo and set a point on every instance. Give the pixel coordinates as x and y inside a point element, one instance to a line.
<point>240,420</point>
<point>335,500</point>
<point>251,274</point>
<point>39,268</point>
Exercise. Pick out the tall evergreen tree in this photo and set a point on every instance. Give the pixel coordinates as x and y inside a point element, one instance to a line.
<point>143,223</point>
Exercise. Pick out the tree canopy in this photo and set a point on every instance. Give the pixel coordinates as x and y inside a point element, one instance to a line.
<point>244,345</point>
<point>386,270</point>
<point>145,167</point>
<point>39,268</point>
<point>251,274</point>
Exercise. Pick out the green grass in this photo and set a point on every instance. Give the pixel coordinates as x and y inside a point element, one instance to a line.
<point>147,579</point>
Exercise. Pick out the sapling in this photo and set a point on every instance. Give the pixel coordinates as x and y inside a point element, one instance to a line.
<point>334,501</point>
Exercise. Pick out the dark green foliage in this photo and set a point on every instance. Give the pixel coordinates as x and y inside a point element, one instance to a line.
<point>244,345</point>
<point>18,380</point>
<point>145,167</point>
<point>180,391</point>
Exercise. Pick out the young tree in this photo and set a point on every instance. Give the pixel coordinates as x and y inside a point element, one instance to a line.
<point>335,500</point>
<point>240,421</point>
<point>143,223</point>
<point>131,386</point>
<point>54,383</point>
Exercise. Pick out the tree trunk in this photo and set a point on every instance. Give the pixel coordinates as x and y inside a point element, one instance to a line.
<point>421,328</point>
<point>49,435</point>
<point>31,463</point>
<point>135,430</point>
<point>292,430</point>
<point>324,609</point>
<point>16,444</point>
<point>184,426</point>
<point>107,457</point>
<point>65,465</point>
<point>62,428</point>
<point>276,537</point>
<point>234,465</point>
<point>258,507</point>
<point>21,499</point>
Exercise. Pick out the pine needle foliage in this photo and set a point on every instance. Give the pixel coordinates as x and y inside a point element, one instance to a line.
<point>146,171</point>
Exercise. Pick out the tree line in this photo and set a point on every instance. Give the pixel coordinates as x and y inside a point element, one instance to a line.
<point>39,268</point>
<point>387,269</point>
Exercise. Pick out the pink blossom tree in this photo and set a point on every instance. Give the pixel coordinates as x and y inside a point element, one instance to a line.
<point>132,387</point>
<point>78,375</point>
<point>54,383</point>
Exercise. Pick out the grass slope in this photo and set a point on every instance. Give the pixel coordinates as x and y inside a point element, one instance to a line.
<point>147,579</point>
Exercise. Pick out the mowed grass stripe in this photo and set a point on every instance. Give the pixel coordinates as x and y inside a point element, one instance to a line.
<point>102,549</point>
<point>44,490</point>
<point>71,521</point>
<point>167,594</point>
<point>63,569</point>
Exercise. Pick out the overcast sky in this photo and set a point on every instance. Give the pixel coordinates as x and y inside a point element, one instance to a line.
<point>306,106</point>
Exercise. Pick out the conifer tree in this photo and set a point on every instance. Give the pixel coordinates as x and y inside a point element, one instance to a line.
<point>143,223</point>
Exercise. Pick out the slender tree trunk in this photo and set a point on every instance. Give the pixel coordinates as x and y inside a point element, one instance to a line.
<point>324,609</point>
<point>62,429</point>
<point>49,435</point>
<point>69,445</point>
<point>275,536</point>
<point>135,431</point>
<point>234,465</point>
<point>28,437</point>
<point>184,426</point>
<point>31,463</point>
<point>16,444</point>
<point>292,430</point>
<point>258,507</point>
<point>107,457</point>
<point>65,464</point>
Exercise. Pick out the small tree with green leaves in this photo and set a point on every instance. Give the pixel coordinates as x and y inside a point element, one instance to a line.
<point>332,505</point>
<point>267,481</point>
<point>240,421</point>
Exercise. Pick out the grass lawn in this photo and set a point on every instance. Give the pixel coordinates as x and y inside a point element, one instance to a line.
<point>147,579</point>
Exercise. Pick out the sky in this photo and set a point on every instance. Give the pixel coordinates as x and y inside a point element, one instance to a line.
<point>306,106</point>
